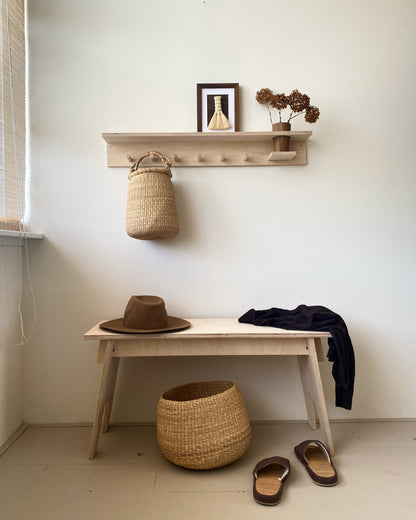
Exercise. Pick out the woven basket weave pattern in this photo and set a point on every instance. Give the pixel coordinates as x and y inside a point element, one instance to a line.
<point>151,204</point>
<point>203,425</point>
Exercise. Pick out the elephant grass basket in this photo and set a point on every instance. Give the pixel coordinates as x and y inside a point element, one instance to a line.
<point>151,211</point>
<point>203,425</point>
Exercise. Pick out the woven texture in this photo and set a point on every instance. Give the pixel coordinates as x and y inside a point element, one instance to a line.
<point>151,205</point>
<point>203,425</point>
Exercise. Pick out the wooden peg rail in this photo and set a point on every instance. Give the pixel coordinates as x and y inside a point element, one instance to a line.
<point>208,148</point>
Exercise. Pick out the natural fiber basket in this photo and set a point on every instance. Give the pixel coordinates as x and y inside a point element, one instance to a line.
<point>151,204</point>
<point>203,425</point>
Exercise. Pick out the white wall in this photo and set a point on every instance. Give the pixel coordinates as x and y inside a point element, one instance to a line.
<point>339,232</point>
<point>11,355</point>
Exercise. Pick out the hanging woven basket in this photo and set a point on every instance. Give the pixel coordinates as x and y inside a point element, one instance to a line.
<point>203,425</point>
<point>151,205</point>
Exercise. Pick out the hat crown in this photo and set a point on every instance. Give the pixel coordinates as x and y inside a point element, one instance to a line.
<point>145,313</point>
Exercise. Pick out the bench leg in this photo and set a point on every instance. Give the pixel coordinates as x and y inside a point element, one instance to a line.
<point>111,387</point>
<point>103,397</point>
<point>310,406</point>
<point>314,393</point>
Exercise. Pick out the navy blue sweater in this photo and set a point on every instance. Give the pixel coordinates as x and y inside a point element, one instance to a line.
<point>317,318</point>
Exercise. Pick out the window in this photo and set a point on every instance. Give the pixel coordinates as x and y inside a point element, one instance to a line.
<point>12,114</point>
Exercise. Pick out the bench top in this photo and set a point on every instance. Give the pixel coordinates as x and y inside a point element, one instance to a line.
<point>209,327</point>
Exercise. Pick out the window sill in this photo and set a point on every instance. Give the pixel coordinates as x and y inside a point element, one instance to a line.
<point>15,238</point>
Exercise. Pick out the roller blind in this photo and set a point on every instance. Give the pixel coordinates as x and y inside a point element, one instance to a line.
<point>12,114</point>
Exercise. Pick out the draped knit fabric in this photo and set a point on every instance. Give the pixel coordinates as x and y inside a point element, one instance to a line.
<point>317,318</point>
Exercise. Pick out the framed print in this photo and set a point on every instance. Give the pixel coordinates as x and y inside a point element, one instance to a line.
<point>218,107</point>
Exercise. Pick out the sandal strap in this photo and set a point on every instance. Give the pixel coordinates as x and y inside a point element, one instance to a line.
<point>273,460</point>
<point>314,442</point>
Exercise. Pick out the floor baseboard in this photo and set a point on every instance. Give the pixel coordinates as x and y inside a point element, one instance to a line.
<point>255,422</point>
<point>13,438</point>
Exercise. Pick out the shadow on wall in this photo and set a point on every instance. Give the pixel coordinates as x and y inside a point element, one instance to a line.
<point>9,293</point>
<point>65,289</point>
<point>187,206</point>
<point>141,381</point>
<point>11,355</point>
<point>198,206</point>
<point>186,214</point>
<point>61,375</point>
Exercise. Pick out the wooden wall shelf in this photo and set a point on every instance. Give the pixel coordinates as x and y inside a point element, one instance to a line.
<point>207,148</point>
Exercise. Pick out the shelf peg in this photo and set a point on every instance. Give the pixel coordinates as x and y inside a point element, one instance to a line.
<point>199,157</point>
<point>129,158</point>
<point>176,157</point>
<point>154,157</point>
<point>222,157</point>
<point>245,157</point>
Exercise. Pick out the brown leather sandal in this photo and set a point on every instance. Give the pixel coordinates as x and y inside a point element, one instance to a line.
<point>269,478</point>
<point>314,455</point>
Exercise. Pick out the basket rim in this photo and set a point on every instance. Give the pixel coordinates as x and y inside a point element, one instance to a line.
<point>151,169</point>
<point>229,388</point>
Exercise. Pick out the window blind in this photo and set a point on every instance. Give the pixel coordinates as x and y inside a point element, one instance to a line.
<point>12,114</point>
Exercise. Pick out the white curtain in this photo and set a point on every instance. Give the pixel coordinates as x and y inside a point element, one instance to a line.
<point>12,114</point>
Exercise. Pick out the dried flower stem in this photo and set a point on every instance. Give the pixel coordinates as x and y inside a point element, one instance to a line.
<point>298,114</point>
<point>270,114</point>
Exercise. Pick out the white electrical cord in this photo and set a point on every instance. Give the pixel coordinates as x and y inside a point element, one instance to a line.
<point>24,339</point>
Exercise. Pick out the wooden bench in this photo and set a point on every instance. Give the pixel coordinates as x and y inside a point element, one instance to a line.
<point>213,337</point>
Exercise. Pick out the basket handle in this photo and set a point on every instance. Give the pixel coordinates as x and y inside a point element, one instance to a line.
<point>166,161</point>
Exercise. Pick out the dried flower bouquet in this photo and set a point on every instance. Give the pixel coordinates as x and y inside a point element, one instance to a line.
<point>297,102</point>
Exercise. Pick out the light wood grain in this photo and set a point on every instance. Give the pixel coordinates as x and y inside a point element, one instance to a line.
<point>120,137</point>
<point>214,346</point>
<point>314,393</point>
<point>112,378</point>
<point>101,351</point>
<point>102,399</point>
<point>205,148</point>
<point>281,156</point>
<point>209,327</point>
<point>212,337</point>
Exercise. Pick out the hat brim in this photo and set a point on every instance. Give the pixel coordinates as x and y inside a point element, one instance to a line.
<point>173,324</point>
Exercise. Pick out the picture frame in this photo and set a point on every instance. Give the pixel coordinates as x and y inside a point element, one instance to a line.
<point>230,99</point>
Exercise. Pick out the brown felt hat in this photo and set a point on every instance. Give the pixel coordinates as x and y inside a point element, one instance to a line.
<point>145,314</point>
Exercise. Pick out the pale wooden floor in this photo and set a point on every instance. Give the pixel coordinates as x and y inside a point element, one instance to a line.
<point>46,475</point>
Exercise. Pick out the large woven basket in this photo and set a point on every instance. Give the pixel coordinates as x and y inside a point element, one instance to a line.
<point>203,425</point>
<point>151,204</point>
